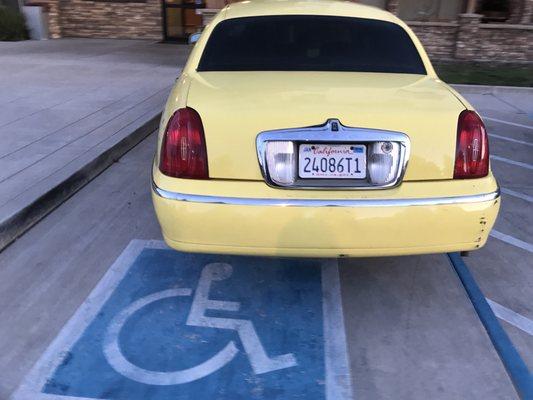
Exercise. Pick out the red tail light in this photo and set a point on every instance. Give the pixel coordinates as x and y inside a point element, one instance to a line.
<point>472,153</point>
<point>183,151</point>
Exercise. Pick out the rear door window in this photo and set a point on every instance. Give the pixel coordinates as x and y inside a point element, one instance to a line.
<point>310,43</point>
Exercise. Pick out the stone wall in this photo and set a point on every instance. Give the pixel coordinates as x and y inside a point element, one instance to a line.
<point>438,38</point>
<point>54,19</point>
<point>502,42</point>
<point>470,40</point>
<point>111,19</point>
<point>466,39</point>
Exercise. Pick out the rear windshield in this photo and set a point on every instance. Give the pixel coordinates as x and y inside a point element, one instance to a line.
<point>310,43</point>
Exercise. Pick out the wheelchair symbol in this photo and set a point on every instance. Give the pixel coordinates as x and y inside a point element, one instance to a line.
<point>261,363</point>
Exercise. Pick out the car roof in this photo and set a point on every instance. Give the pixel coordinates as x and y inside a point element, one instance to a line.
<point>251,8</point>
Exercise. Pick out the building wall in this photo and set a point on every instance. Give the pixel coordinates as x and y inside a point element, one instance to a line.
<point>429,10</point>
<point>464,39</point>
<point>438,38</point>
<point>501,42</point>
<point>470,40</point>
<point>111,19</point>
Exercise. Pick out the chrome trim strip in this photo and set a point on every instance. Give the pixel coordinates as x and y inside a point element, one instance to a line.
<point>247,201</point>
<point>327,134</point>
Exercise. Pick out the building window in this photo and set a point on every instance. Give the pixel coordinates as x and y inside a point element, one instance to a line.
<point>494,10</point>
<point>430,10</point>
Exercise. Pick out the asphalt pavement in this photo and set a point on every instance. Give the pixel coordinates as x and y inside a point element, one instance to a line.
<point>407,330</point>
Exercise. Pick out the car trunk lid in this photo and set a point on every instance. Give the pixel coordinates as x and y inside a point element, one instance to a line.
<point>236,106</point>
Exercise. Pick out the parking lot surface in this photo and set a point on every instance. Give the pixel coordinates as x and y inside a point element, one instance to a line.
<point>95,306</point>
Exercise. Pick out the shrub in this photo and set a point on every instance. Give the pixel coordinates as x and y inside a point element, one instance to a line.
<point>12,25</point>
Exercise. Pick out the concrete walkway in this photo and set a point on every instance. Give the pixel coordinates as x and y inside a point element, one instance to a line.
<point>496,103</point>
<point>65,104</point>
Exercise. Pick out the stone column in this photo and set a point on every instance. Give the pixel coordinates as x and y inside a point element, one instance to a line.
<point>527,11</point>
<point>515,11</point>
<point>467,36</point>
<point>393,6</point>
<point>471,6</point>
<point>54,23</point>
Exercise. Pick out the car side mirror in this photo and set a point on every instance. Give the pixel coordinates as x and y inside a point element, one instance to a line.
<point>194,38</point>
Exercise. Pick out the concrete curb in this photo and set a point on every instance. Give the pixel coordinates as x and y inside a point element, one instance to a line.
<point>484,89</point>
<point>15,225</point>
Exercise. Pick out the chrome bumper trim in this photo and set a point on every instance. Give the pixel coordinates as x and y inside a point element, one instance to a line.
<point>247,201</point>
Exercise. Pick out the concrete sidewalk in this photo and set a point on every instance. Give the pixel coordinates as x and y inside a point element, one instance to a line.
<point>501,102</point>
<point>68,108</point>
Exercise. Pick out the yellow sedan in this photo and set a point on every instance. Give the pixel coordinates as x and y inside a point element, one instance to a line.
<point>320,129</point>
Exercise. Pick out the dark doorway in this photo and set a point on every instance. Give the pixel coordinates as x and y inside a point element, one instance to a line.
<point>180,18</point>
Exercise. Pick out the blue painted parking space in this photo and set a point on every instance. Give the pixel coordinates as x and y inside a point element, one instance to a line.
<point>169,325</point>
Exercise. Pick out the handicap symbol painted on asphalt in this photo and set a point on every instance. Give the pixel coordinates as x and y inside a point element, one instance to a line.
<point>259,360</point>
<point>169,325</point>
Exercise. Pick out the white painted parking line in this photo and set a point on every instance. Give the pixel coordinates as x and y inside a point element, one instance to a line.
<point>512,240</point>
<point>53,357</point>
<point>510,139</point>
<point>518,195</point>
<point>508,123</point>
<point>338,377</point>
<point>512,162</point>
<point>511,317</point>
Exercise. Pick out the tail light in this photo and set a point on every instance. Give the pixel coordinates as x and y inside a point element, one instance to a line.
<point>183,151</point>
<point>472,153</point>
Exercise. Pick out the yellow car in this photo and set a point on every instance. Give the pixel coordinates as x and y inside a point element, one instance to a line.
<point>319,128</point>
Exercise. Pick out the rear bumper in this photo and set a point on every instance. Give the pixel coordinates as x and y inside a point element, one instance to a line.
<point>312,227</point>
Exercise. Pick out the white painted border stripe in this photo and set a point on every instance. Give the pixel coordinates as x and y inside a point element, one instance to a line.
<point>338,377</point>
<point>508,123</point>
<point>512,162</point>
<point>511,317</point>
<point>31,387</point>
<point>512,240</point>
<point>518,195</point>
<point>510,139</point>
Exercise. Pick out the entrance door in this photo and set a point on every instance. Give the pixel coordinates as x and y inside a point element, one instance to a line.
<point>180,18</point>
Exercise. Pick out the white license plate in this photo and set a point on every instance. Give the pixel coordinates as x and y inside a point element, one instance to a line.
<point>332,161</point>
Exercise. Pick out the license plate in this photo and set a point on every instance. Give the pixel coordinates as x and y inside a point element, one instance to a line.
<point>332,161</point>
